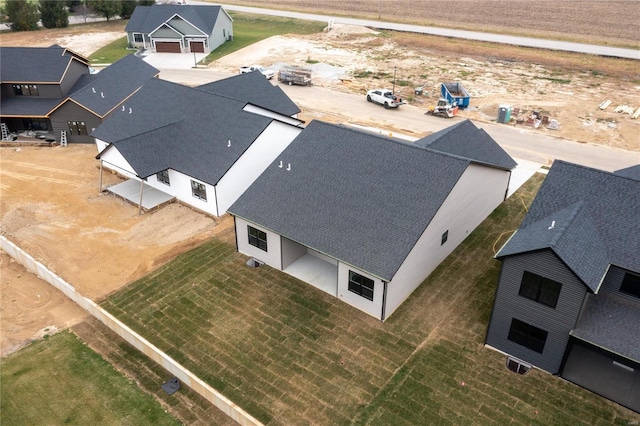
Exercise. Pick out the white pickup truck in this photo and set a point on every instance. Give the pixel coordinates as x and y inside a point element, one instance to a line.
<point>384,97</point>
<point>266,72</point>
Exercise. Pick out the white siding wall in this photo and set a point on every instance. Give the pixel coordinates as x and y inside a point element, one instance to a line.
<point>373,308</point>
<point>223,28</point>
<point>253,162</point>
<point>478,192</point>
<point>181,188</point>
<point>271,257</point>
<point>113,160</point>
<point>101,145</point>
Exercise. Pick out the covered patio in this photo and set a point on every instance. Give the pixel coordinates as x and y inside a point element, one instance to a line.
<point>140,194</point>
<point>310,266</point>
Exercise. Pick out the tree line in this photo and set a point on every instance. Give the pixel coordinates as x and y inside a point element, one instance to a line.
<point>24,15</point>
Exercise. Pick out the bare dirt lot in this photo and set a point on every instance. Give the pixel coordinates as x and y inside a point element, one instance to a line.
<point>49,201</point>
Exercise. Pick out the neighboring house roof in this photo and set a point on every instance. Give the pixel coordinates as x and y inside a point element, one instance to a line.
<point>255,89</point>
<point>145,19</point>
<point>632,172</point>
<point>26,106</point>
<point>468,141</point>
<point>36,64</point>
<point>102,92</point>
<point>359,198</point>
<point>610,321</point>
<point>597,221</point>
<point>191,137</point>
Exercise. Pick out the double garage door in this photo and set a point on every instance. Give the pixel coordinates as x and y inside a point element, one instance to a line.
<point>168,47</point>
<point>174,47</point>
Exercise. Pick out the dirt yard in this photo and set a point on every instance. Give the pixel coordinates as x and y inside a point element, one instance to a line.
<point>49,201</point>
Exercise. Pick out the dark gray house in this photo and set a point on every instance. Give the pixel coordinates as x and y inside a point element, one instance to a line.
<point>179,28</point>
<point>367,218</point>
<point>568,298</point>
<point>59,93</point>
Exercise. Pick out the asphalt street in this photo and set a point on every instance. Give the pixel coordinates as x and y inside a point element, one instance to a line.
<point>528,144</point>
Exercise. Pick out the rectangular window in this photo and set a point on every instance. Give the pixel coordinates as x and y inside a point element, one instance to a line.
<point>360,285</point>
<point>539,289</point>
<point>198,190</point>
<point>77,127</point>
<point>25,89</point>
<point>527,335</point>
<point>631,285</point>
<point>137,38</point>
<point>257,238</point>
<point>163,177</point>
<point>445,237</point>
<point>35,124</point>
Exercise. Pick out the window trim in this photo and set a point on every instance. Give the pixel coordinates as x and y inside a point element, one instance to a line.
<point>444,238</point>
<point>163,177</point>
<point>78,126</point>
<point>25,89</point>
<point>357,285</point>
<point>542,287</point>
<point>141,38</point>
<point>523,336</point>
<point>198,190</point>
<point>257,238</point>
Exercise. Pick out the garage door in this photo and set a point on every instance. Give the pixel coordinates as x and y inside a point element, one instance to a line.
<point>196,46</point>
<point>168,47</point>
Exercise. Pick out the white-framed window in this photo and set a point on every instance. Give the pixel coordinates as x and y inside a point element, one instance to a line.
<point>518,366</point>
<point>163,177</point>
<point>199,190</point>
<point>138,38</point>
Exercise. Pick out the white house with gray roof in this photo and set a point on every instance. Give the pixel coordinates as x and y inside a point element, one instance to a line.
<point>367,218</point>
<point>179,28</point>
<point>204,149</point>
<point>568,297</point>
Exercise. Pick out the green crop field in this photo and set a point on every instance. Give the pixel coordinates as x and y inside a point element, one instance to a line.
<point>291,354</point>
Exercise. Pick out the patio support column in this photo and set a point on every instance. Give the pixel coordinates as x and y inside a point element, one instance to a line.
<point>100,191</point>
<point>140,204</point>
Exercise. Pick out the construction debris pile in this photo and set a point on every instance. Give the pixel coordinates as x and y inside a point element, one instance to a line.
<point>623,109</point>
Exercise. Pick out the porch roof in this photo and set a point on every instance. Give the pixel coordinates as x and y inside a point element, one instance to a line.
<point>611,322</point>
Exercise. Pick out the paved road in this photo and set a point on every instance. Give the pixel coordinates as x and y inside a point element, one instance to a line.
<point>324,104</point>
<point>470,35</point>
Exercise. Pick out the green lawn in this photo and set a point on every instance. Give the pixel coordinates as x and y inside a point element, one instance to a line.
<point>290,354</point>
<point>59,380</point>
<point>247,29</point>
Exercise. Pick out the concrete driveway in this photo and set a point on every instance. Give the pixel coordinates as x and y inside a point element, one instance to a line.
<point>176,61</point>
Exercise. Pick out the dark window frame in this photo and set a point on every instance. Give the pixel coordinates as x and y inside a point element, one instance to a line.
<point>630,285</point>
<point>35,124</point>
<point>527,335</point>
<point>444,238</point>
<point>361,285</point>
<point>198,190</point>
<point>257,238</point>
<point>540,289</point>
<point>80,128</point>
<point>163,176</point>
<point>25,89</point>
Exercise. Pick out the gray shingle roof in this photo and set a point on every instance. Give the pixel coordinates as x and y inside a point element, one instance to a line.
<point>362,199</point>
<point>611,321</point>
<point>182,128</point>
<point>632,172</point>
<point>147,18</point>
<point>604,230</point>
<point>255,89</point>
<point>35,64</point>
<point>116,82</point>
<point>25,106</point>
<point>468,141</point>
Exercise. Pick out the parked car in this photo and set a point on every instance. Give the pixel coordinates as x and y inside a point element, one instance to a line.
<point>265,71</point>
<point>384,97</point>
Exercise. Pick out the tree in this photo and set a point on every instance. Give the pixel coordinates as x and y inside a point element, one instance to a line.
<point>127,9</point>
<point>53,14</point>
<point>22,15</point>
<point>146,2</point>
<point>106,8</point>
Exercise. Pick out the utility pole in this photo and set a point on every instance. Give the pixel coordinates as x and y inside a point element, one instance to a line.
<point>394,80</point>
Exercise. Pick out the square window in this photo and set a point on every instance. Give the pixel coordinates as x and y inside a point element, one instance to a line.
<point>445,237</point>
<point>137,38</point>
<point>527,335</point>
<point>77,127</point>
<point>163,177</point>
<point>631,285</point>
<point>257,238</point>
<point>540,289</point>
<point>360,285</point>
<point>198,190</point>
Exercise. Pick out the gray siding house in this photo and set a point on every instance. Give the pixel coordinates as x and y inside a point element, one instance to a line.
<point>179,28</point>
<point>61,95</point>
<point>367,218</point>
<point>203,151</point>
<point>568,297</point>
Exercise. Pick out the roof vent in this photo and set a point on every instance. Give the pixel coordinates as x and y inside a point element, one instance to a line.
<point>280,165</point>
<point>93,89</point>
<point>228,143</point>
<point>130,110</point>
<point>123,108</point>
<point>288,166</point>
<point>102,95</point>
<point>553,225</point>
